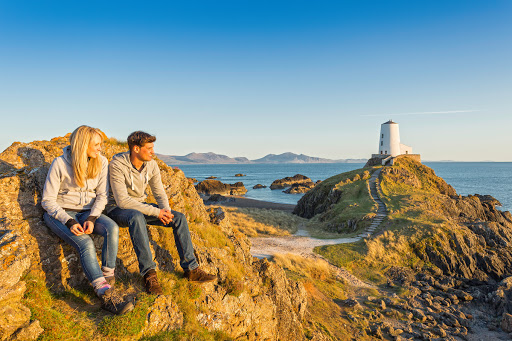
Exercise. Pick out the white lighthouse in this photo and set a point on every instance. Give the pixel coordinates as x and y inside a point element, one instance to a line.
<point>389,142</point>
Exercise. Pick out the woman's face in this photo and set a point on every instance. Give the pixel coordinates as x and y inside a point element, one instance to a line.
<point>94,149</point>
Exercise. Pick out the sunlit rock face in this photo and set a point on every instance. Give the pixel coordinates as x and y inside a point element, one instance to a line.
<point>273,312</point>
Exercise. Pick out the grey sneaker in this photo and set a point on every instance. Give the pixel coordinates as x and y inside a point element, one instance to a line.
<point>112,302</point>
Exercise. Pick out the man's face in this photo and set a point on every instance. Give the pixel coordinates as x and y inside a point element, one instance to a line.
<point>144,153</point>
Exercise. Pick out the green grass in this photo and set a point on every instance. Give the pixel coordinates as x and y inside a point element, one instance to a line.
<point>353,257</point>
<point>129,324</point>
<point>415,200</point>
<point>259,221</point>
<point>180,335</point>
<point>354,203</point>
<point>45,307</point>
<point>69,316</point>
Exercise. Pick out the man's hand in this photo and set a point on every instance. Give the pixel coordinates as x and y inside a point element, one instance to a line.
<point>165,216</point>
<point>88,227</point>
<point>77,230</point>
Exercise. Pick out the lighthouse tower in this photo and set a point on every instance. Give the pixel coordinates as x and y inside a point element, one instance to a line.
<point>389,142</point>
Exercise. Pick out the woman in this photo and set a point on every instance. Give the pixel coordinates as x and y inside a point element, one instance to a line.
<point>74,196</point>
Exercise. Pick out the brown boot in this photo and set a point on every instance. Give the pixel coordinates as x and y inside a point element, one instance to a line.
<point>151,283</point>
<point>199,276</point>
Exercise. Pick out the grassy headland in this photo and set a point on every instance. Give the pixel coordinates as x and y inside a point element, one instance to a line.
<point>415,199</point>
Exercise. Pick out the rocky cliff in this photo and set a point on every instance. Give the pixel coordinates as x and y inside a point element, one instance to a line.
<point>463,236</point>
<point>253,299</point>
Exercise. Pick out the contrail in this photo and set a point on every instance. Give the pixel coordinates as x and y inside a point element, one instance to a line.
<point>427,113</point>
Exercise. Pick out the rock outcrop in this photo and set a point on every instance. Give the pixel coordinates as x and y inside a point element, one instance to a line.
<point>299,188</point>
<point>258,186</point>
<point>268,306</point>
<point>326,194</point>
<point>479,247</point>
<point>289,181</point>
<point>210,187</point>
<point>476,238</point>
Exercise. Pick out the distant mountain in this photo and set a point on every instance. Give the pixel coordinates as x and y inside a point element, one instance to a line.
<point>291,158</point>
<point>201,158</point>
<point>212,158</point>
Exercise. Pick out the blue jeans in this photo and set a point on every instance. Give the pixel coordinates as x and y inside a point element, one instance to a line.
<point>136,223</point>
<point>103,226</point>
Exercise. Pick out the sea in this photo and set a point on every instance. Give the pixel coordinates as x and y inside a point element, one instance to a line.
<point>493,178</point>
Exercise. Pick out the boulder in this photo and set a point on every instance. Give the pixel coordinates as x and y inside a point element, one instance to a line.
<point>239,175</point>
<point>300,188</point>
<point>289,181</point>
<point>217,215</point>
<point>210,187</point>
<point>216,199</point>
<point>259,186</point>
<point>506,322</point>
<point>211,177</point>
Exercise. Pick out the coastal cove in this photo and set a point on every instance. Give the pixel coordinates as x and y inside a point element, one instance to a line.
<point>493,178</point>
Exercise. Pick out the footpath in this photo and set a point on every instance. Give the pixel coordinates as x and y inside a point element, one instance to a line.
<point>302,244</point>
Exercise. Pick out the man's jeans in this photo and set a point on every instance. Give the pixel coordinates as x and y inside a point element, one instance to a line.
<point>136,223</point>
<point>103,226</point>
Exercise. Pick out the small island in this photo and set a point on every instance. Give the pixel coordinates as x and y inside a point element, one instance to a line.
<point>258,186</point>
<point>210,187</point>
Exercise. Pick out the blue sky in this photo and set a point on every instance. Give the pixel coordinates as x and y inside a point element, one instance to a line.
<point>246,78</point>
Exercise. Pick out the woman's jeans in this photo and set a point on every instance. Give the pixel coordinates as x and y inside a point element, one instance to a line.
<point>137,226</point>
<point>84,244</point>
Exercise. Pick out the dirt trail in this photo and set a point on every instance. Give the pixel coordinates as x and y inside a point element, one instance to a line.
<point>302,244</point>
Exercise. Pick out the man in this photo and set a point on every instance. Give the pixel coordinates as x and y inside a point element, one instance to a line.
<point>129,174</point>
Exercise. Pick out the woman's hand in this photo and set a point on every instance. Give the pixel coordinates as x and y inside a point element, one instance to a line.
<point>77,230</point>
<point>88,227</point>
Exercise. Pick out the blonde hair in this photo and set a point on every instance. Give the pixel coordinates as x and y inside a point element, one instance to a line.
<point>83,167</point>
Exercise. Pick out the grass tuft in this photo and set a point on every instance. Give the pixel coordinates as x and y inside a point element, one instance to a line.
<point>46,308</point>
<point>129,324</point>
<point>255,221</point>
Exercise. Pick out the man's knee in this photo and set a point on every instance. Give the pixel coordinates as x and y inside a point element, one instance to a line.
<point>179,218</point>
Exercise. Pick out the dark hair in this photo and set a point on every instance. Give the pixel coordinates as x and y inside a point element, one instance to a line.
<point>139,138</point>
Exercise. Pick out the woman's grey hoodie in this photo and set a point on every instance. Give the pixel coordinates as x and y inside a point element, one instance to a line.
<point>128,186</point>
<point>61,191</point>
